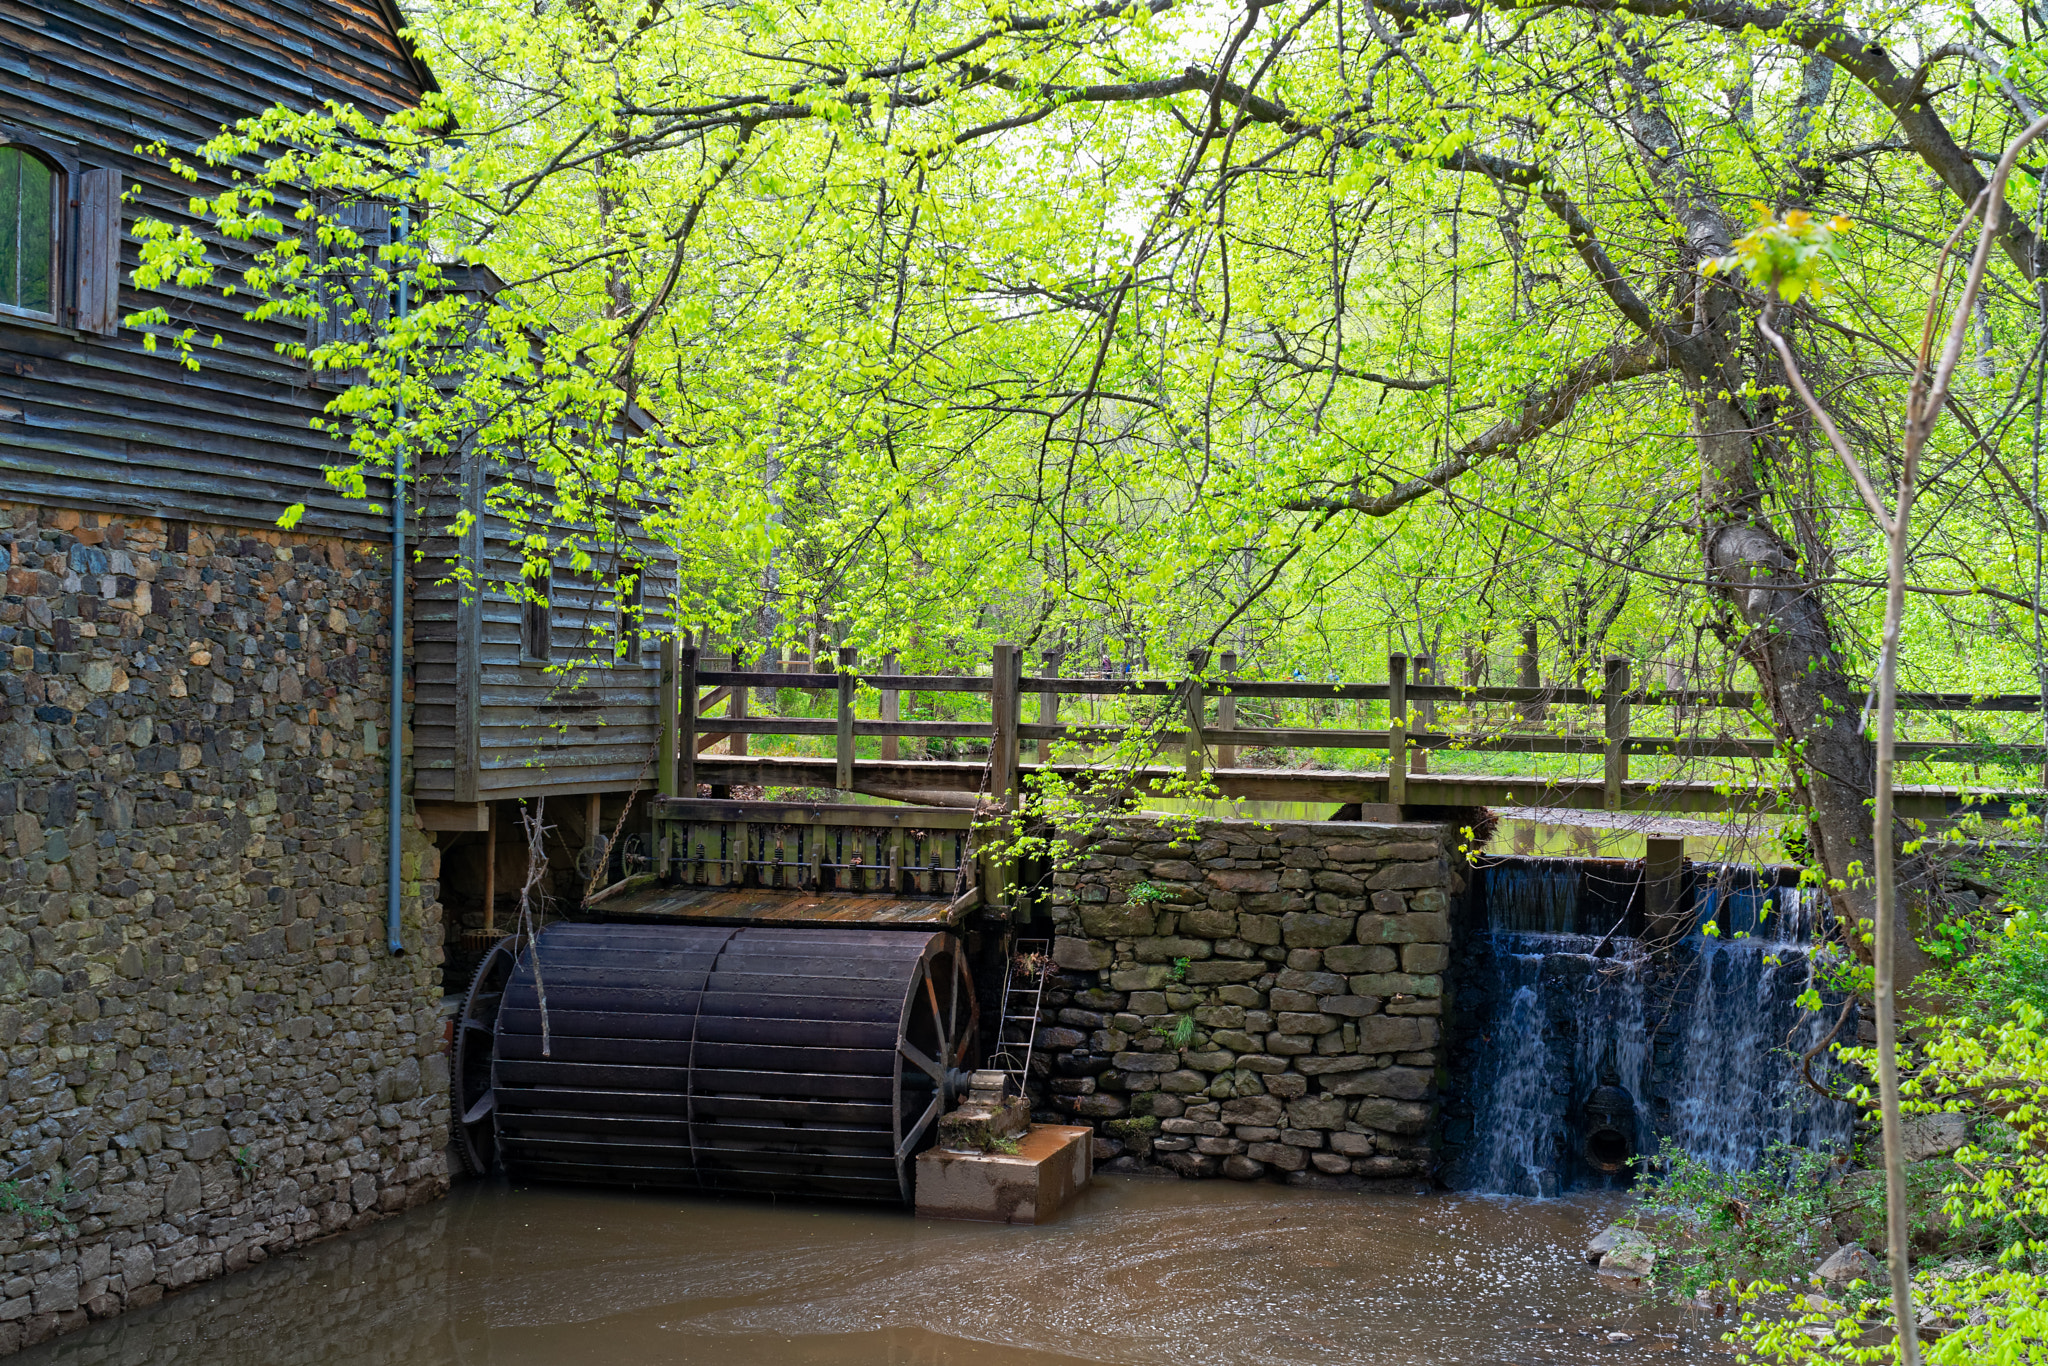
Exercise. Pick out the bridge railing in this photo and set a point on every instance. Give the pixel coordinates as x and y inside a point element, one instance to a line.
<point>1201,717</point>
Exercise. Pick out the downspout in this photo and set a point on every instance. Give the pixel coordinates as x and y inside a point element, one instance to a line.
<point>393,810</point>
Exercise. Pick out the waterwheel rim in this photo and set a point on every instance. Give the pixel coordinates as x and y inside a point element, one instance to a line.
<point>940,1028</point>
<point>474,1123</point>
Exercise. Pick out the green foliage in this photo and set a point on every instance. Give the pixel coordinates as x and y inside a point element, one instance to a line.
<point>1147,894</point>
<point>1713,1227</point>
<point>1786,254</point>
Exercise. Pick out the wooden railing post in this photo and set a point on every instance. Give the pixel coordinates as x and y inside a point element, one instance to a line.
<point>686,721</point>
<point>1425,712</point>
<point>1397,729</point>
<point>892,708</point>
<point>1197,704</point>
<point>1048,705</point>
<point>1226,712</point>
<point>1003,712</point>
<point>1614,715</point>
<point>737,710</point>
<point>849,684</point>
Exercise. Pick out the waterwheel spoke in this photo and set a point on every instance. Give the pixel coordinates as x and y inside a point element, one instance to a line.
<point>924,1121</point>
<point>924,1063</point>
<point>482,1109</point>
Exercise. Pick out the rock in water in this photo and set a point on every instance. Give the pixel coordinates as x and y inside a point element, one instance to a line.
<point>1848,1266</point>
<point>1626,1251</point>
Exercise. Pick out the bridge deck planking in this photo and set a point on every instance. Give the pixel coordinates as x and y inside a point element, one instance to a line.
<point>1918,802</point>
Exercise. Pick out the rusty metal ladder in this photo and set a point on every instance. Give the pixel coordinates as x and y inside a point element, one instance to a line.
<point>1023,995</point>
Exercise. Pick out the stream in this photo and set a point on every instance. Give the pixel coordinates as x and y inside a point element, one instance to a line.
<point>1141,1272</point>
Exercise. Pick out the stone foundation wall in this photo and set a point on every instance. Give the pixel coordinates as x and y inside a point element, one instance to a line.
<point>1246,999</point>
<point>209,1054</point>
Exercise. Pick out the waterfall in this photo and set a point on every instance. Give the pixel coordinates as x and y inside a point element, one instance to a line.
<point>1581,1048</point>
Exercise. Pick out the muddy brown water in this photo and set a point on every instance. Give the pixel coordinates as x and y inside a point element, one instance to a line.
<point>1140,1273</point>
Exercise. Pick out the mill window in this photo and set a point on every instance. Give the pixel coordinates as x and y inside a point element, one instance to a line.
<point>28,234</point>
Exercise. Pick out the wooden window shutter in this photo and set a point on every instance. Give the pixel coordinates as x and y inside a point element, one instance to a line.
<point>357,296</point>
<point>99,252</point>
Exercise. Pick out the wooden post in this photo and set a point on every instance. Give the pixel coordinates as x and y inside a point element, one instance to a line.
<point>849,684</point>
<point>1531,674</point>
<point>686,721</point>
<point>1425,712</point>
<point>665,720</point>
<point>490,867</point>
<point>737,710</point>
<point>1003,710</point>
<point>1197,704</point>
<point>1663,881</point>
<point>892,708</point>
<point>1614,710</point>
<point>1226,712</point>
<point>1397,729</point>
<point>1048,705</point>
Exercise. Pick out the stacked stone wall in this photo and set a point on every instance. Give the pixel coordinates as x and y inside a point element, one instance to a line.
<point>210,1057</point>
<point>1246,1000</point>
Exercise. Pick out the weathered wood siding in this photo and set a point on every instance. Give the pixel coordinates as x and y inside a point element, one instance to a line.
<point>101,422</point>
<point>510,726</point>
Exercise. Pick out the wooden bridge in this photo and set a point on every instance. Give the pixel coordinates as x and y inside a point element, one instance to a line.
<point>1194,728</point>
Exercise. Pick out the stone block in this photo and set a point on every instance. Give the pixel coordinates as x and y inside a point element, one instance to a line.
<point>1219,1146</point>
<point>1147,1062</point>
<point>1217,970</point>
<point>1263,1064</point>
<point>1310,1139</point>
<point>1253,1110</point>
<point>1316,1112</point>
<point>1314,983</point>
<point>1208,1059</point>
<point>1259,929</point>
<point>1398,1083</point>
<point>1290,1045</point>
<point>1403,876</point>
<point>1281,1155</point>
<point>1395,1033</point>
<point>1350,1144</point>
<point>1333,1164</point>
<point>1425,959</point>
<point>1209,923</point>
<point>1357,958</point>
<point>1258,1133</point>
<point>1395,984</point>
<point>1117,922</point>
<point>1314,930</point>
<point>1167,948</point>
<point>1080,955</point>
<point>1287,1085</point>
<point>1185,1082</point>
<point>1393,1116</point>
<point>1284,998</point>
<point>1148,978</point>
<point>1241,1168</point>
<point>1298,1022</point>
<point>1350,1007</point>
<point>1244,881</point>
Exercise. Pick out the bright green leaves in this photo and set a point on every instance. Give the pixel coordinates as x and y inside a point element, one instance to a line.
<point>1785,255</point>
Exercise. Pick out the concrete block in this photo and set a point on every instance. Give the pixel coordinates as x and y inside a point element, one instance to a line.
<point>1052,1164</point>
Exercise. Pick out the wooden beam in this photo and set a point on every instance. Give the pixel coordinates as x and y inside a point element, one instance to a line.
<point>1226,710</point>
<point>1003,759</point>
<point>466,817</point>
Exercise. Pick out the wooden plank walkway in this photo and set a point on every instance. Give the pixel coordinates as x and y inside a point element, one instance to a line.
<point>777,906</point>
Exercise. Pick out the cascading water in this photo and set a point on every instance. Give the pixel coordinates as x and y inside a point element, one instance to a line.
<point>1587,1048</point>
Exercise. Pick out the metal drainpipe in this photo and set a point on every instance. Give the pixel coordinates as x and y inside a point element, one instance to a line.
<point>394,806</point>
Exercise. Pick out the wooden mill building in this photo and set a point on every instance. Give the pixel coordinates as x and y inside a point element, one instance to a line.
<point>160,487</point>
